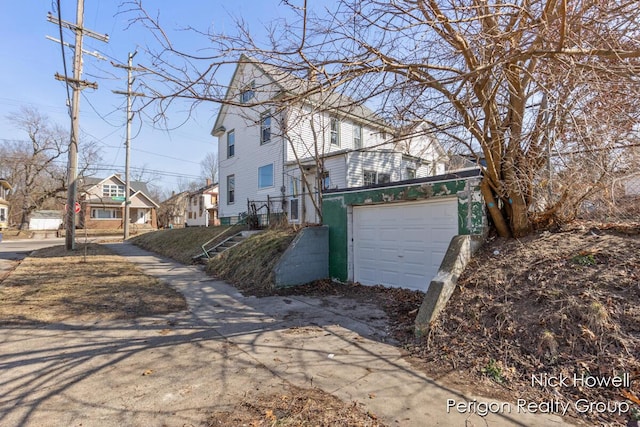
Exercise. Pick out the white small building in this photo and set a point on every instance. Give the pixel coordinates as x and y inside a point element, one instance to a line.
<point>46,220</point>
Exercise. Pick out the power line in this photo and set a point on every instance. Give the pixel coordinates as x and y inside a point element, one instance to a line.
<point>64,59</point>
<point>107,167</point>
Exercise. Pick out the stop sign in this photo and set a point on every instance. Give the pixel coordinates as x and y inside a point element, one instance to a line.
<point>76,207</point>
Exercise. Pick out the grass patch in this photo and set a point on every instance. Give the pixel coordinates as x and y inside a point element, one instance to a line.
<point>55,285</point>
<point>249,265</point>
<point>181,244</point>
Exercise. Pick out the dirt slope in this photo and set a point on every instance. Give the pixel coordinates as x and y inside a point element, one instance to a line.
<point>549,305</point>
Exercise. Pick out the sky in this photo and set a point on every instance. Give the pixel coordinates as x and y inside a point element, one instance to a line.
<point>29,61</point>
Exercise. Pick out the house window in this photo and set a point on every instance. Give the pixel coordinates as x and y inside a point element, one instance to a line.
<point>3,214</point>
<point>373,177</point>
<point>411,173</point>
<point>326,181</point>
<point>369,177</point>
<point>335,131</point>
<point>231,143</point>
<point>106,213</point>
<point>293,186</point>
<point>231,189</point>
<point>265,128</point>
<point>112,190</point>
<point>357,136</point>
<point>248,93</point>
<point>265,176</point>
<point>294,210</point>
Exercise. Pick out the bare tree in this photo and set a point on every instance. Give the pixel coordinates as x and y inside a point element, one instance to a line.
<point>209,167</point>
<point>36,167</point>
<point>513,82</point>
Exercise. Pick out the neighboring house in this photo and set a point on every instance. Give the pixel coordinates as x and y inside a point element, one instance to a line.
<point>46,220</point>
<point>173,211</point>
<point>5,190</point>
<point>276,144</point>
<point>103,204</point>
<point>202,206</point>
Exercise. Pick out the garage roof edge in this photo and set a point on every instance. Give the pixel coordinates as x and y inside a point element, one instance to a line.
<point>452,176</point>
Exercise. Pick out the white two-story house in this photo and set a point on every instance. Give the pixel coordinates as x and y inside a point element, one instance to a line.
<point>202,206</point>
<point>282,141</point>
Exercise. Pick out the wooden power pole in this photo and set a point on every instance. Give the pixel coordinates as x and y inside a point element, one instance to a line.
<point>127,202</point>
<point>78,85</point>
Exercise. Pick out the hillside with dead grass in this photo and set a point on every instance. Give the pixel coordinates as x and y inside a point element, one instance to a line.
<point>182,244</point>
<point>249,265</point>
<point>550,305</point>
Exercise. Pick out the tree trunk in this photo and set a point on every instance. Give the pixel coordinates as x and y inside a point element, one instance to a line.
<point>520,224</point>
<point>494,211</point>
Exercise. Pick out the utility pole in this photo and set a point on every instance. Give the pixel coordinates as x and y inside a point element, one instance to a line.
<point>127,202</point>
<point>78,84</point>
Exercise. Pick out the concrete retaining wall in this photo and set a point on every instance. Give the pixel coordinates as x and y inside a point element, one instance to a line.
<point>442,286</point>
<point>305,260</point>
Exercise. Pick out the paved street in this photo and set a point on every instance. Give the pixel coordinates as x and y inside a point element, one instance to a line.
<point>16,250</point>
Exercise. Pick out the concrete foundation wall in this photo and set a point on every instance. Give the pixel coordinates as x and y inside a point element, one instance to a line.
<point>305,260</point>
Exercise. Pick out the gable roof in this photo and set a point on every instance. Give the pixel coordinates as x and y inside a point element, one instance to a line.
<point>175,197</point>
<point>295,89</point>
<point>137,187</point>
<point>204,189</point>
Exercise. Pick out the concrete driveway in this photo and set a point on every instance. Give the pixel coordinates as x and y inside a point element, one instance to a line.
<point>174,370</point>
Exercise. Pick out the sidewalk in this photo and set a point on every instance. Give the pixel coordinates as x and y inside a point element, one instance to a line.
<point>174,370</point>
<point>330,343</point>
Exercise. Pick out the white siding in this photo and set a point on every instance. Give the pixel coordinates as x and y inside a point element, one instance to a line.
<point>249,154</point>
<point>306,133</point>
<point>337,168</point>
<point>304,136</point>
<point>381,162</point>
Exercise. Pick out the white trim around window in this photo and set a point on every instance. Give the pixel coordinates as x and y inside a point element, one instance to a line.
<point>265,128</point>
<point>265,176</point>
<point>231,143</point>
<point>334,131</point>
<point>106,213</point>
<point>231,189</point>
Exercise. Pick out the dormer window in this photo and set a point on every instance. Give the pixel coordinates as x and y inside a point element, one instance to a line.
<point>112,190</point>
<point>248,92</point>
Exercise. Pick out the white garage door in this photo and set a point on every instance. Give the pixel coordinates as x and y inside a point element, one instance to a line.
<point>402,245</point>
